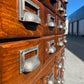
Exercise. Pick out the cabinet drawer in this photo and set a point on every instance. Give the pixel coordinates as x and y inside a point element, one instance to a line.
<point>49,46</point>
<point>50,22</point>
<point>21,60</point>
<point>60,41</point>
<point>51,4</point>
<point>49,76</point>
<point>60,25</point>
<point>19,20</point>
<point>60,8</point>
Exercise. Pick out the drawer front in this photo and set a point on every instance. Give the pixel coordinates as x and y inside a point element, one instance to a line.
<point>60,69</point>
<point>50,22</point>
<point>60,25</point>
<point>49,46</point>
<point>21,60</point>
<point>19,20</point>
<point>49,77</point>
<point>60,41</point>
<point>51,4</point>
<point>60,8</point>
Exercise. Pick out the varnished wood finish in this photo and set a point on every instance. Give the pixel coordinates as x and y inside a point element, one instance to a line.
<point>11,27</point>
<point>57,11</point>
<point>60,30</point>
<point>48,30</point>
<point>50,4</point>
<point>29,35</point>
<point>10,61</point>
<point>46,74</point>
<point>46,40</point>
<point>56,38</point>
<point>43,71</point>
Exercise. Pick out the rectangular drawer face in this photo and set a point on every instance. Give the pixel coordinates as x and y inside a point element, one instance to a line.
<point>51,4</point>
<point>50,22</point>
<point>21,60</point>
<point>60,25</point>
<point>19,20</point>
<point>60,68</point>
<point>49,46</point>
<point>50,76</point>
<point>60,8</point>
<point>60,41</point>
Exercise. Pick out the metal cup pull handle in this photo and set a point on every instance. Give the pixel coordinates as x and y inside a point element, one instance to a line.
<point>51,78</point>
<point>59,81</point>
<point>26,15</point>
<point>51,49</point>
<point>59,65</point>
<point>31,63</point>
<point>65,41</point>
<point>50,22</point>
<point>60,7</point>
<point>60,44</point>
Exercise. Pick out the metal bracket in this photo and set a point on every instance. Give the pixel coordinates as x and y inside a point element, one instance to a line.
<point>26,51</point>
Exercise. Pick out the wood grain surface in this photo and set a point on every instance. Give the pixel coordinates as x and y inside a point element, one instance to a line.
<point>49,5</point>
<point>11,27</point>
<point>48,30</point>
<point>10,61</point>
<point>46,40</point>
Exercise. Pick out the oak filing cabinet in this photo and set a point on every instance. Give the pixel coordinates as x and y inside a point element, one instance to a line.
<point>32,41</point>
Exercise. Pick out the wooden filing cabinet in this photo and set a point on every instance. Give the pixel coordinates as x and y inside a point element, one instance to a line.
<point>31,42</point>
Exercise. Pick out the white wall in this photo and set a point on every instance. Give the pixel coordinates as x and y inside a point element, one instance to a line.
<point>70,28</point>
<point>75,28</point>
<point>81,27</point>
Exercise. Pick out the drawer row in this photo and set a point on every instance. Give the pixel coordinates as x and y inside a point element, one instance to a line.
<point>22,59</point>
<point>27,18</point>
<point>54,73</point>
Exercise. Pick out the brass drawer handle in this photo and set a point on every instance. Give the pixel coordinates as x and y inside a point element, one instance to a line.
<point>31,63</point>
<point>51,23</point>
<point>27,16</point>
<point>51,49</point>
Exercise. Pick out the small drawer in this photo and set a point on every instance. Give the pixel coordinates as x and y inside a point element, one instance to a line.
<point>21,60</point>
<point>21,18</point>
<point>50,22</point>
<point>51,4</point>
<point>60,25</point>
<point>60,8</point>
<point>49,78</point>
<point>49,46</point>
<point>59,40</point>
